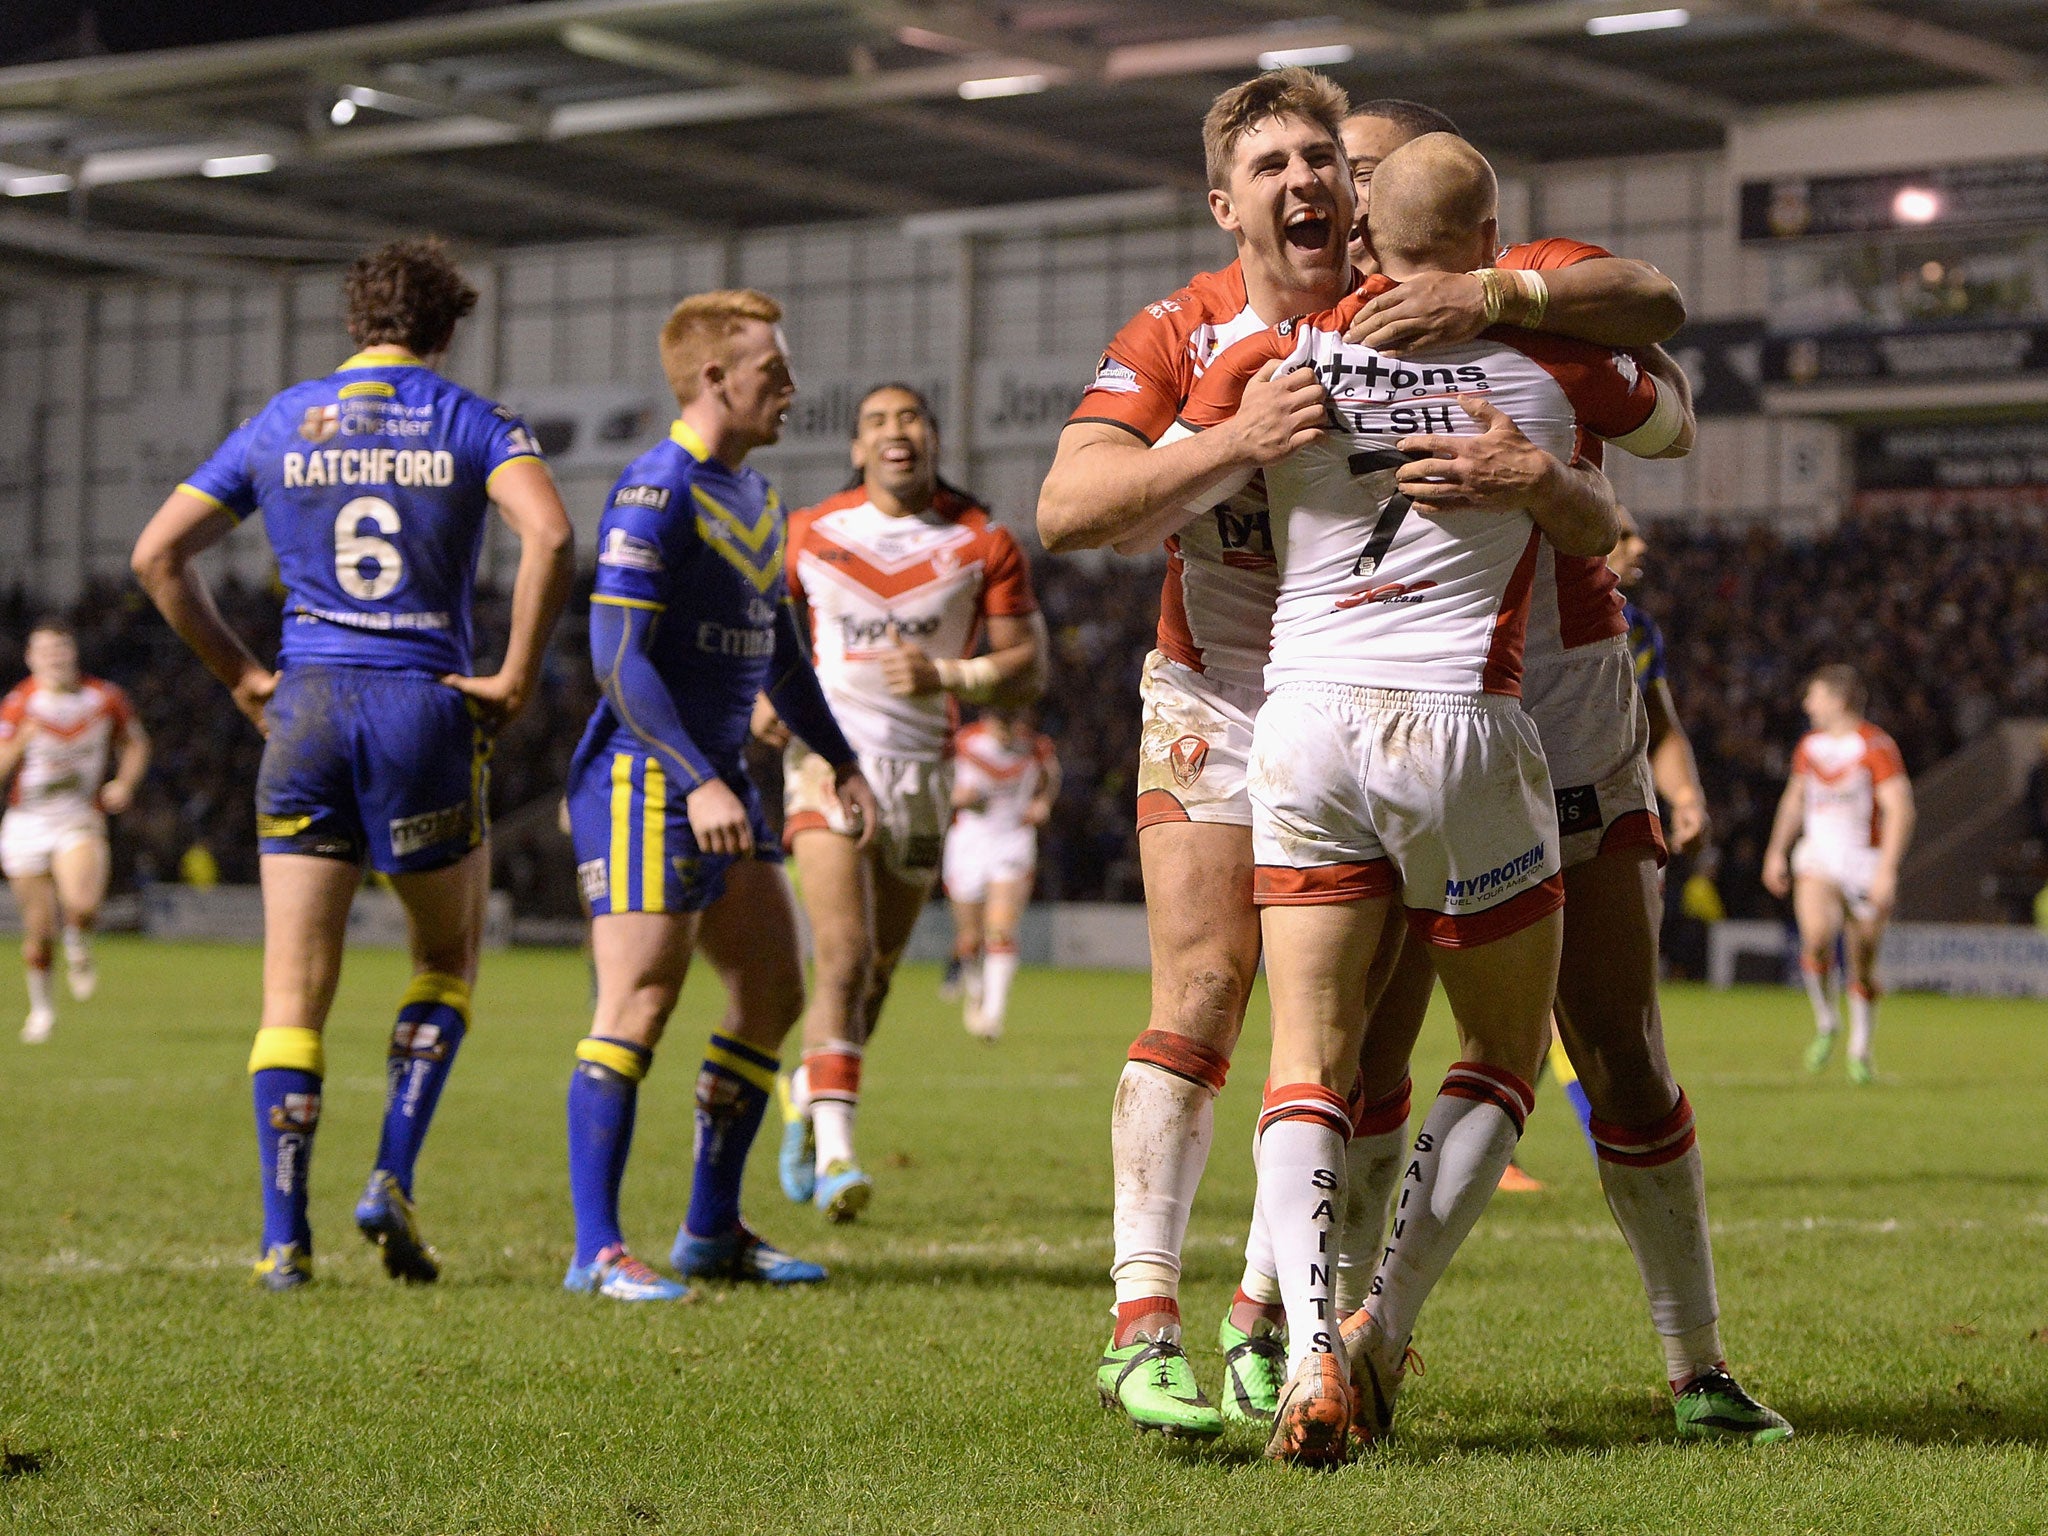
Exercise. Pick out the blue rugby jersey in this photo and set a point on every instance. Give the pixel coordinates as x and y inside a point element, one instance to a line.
<point>374,487</point>
<point>698,548</point>
<point>1645,645</point>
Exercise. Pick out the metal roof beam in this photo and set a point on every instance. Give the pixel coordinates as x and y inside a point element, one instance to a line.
<point>798,183</point>
<point>47,235</point>
<point>547,201</point>
<point>1922,41</point>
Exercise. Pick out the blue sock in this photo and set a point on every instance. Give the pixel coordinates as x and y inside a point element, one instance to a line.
<point>602,1092</point>
<point>285,1068</point>
<point>732,1094</point>
<point>1583,1108</point>
<point>432,1019</point>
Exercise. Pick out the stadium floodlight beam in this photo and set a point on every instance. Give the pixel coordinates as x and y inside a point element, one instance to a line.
<point>39,184</point>
<point>1637,21</point>
<point>342,113</point>
<point>1307,58</point>
<point>1916,205</point>
<point>1003,85</point>
<point>238,165</point>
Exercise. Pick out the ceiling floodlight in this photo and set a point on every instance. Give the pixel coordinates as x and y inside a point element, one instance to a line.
<point>1002,85</point>
<point>238,165</point>
<point>38,185</point>
<point>1307,58</point>
<point>1916,205</point>
<point>1637,21</point>
<point>342,113</point>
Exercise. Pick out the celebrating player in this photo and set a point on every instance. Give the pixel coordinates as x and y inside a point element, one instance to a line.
<point>1850,805</point>
<point>899,574</point>
<point>690,622</point>
<point>1283,190</point>
<point>1005,780</point>
<point>1392,759</point>
<point>57,729</point>
<point>374,484</point>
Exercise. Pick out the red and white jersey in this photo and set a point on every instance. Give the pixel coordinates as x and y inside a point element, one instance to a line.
<point>66,759</point>
<point>934,576</point>
<point>1004,776</point>
<point>1371,593</point>
<point>1842,774</point>
<point>1216,609</point>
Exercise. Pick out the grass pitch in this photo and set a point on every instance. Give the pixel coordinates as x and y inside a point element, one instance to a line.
<point>1882,1254</point>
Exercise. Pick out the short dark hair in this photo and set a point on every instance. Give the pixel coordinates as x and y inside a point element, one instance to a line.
<point>1845,682</point>
<point>1411,117</point>
<point>409,293</point>
<point>53,624</point>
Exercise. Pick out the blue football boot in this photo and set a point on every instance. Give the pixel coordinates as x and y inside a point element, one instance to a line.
<point>798,1160</point>
<point>385,1217</point>
<point>617,1274</point>
<point>740,1255</point>
<point>844,1192</point>
<point>285,1267</point>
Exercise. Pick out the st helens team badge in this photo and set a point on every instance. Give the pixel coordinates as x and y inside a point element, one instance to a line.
<point>1187,757</point>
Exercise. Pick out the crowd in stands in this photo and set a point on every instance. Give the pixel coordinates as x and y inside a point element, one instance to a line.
<point>1942,614</point>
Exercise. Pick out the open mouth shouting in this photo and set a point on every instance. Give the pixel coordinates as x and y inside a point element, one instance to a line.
<point>1308,230</point>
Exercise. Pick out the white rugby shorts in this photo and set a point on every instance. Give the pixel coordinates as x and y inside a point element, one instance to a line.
<point>1194,747</point>
<point>1595,731</point>
<point>1442,799</point>
<point>32,835</point>
<point>916,799</point>
<point>979,855</point>
<point>1849,870</point>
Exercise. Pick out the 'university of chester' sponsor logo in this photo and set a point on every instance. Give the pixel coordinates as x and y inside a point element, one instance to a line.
<point>320,423</point>
<point>624,552</point>
<point>1388,592</point>
<point>1114,377</point>
<point>1187,757</point>
<point>653,497</point>
<point>591,876</point>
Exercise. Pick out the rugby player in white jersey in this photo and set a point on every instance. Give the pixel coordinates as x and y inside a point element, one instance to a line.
<point>901,575</point>
<point>1850,805</point>
<point>1005,779</point>
<point>1392,760</point>
<point>1282,189</point>
<point>58,728</point>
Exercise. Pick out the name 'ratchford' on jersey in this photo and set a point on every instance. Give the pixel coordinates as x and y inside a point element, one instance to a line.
<point>1376,595</point>
<point>701,545</point>
<point>374,484</point>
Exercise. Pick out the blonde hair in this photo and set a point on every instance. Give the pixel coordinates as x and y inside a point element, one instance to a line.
<point>1289,92</point>
<point>1428,196</point>
<point>700,329</point>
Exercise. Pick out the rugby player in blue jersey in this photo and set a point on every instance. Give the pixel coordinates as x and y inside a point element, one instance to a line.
<point>690,620</point>
<point>374,483</point>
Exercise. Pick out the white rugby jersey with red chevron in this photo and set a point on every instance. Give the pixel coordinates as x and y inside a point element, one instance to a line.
<point>1842,774</point>
<point>1372,593</point>
<point>1004,776</point>
<point>932,578</point>
<point>66,759</point>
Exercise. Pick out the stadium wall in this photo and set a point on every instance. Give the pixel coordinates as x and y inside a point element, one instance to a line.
<point>111,391</point>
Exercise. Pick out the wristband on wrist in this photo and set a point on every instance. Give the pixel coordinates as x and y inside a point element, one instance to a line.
<point>1513,296</point>
<point>972,678</point>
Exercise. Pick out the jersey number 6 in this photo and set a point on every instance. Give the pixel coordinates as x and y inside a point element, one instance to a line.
<point>368,567</point>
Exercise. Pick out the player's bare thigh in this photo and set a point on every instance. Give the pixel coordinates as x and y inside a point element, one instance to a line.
<point>1319,960</point>
<point>79,867</point>
<point>1007,900</point>
<point>750,937</point>
<point>839,900</point>
<point>1204,930</point>
<point>305,922</point>
<point>444,912</point>
<point>1819,908</point>
<point>1398,994</point>
<point>1607,986</point>
<point>641,959</point>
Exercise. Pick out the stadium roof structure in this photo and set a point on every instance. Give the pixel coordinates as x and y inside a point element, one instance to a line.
<point>572,119</point>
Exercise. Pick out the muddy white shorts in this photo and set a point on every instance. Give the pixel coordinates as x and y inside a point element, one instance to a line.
<point>1442,799</point>
<point>1195,745</point>
<point>1595,731</point>
<point>979,855</point>
<point>916,798</point>
<point>31,836</point>
<point>1849,870</point>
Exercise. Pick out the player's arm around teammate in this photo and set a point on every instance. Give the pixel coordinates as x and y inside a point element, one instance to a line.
<point>377,737</point>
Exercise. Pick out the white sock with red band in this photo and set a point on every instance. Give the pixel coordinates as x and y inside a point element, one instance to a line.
<point>1159,1133</point>
<point>1466,1140</point>
<point>1657,1191</point>
<point>1374,1160</point>
<point>40,998</point>
<point>1824,1019</point>
<point>1862,1021</point>
<point>998,970</point>
<point>1300,1157</point>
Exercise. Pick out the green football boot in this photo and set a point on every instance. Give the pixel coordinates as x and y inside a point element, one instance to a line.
<point>1861,1072</point>
<point>1254,1369</point>
<point>1712,1406</point>
<point>1819,1051</point>
<point>1153,1382</point>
